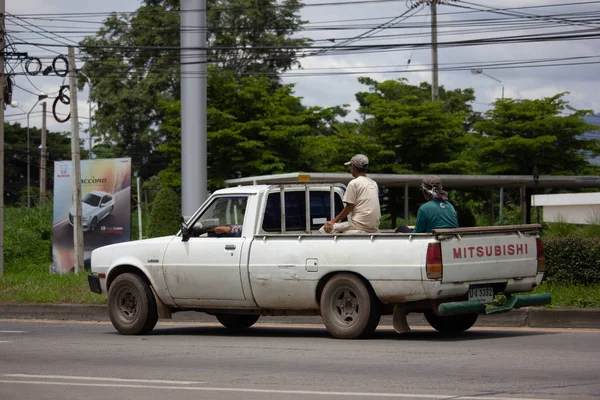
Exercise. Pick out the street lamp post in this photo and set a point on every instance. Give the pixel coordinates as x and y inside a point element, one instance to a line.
<point>479,71</point>
<point>40,97</point>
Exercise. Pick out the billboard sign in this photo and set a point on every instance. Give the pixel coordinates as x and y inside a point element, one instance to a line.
<point>105,209</point>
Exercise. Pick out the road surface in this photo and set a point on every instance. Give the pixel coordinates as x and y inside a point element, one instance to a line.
<point>82,360</point>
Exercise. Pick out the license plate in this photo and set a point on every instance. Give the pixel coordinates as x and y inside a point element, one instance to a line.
<point>482,294</point>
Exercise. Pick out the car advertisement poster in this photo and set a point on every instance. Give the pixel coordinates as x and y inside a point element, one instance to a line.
<point>106,209</point>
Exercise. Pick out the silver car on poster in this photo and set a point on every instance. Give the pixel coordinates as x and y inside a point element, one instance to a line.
<point>96,206</point>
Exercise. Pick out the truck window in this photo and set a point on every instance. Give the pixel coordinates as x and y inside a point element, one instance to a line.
<point>229,210</point>
<point>295,210</point>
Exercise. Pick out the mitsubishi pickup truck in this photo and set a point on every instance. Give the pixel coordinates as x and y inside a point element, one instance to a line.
<point>276,262</point>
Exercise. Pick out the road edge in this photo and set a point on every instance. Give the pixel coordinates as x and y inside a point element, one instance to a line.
<point>526,317</point>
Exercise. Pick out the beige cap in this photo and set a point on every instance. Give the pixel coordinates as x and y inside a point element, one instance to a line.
<point>432,181</point>
<point>359,161</point>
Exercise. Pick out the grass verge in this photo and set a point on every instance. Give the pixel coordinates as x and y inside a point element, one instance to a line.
<point>571,295</point>
<point>44,287</point>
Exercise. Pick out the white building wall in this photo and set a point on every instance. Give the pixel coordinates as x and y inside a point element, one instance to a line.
<point>574,208</point>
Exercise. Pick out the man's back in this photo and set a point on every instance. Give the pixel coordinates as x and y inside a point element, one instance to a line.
<point>435,214</point>
<point>364,194</point>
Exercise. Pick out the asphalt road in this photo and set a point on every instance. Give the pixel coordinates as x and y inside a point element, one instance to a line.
<point>59,360</point>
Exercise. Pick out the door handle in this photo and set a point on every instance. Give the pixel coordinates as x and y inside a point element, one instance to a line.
<point>230,247</point>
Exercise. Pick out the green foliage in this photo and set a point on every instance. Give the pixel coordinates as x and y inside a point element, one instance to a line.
<point>15,167</point>
<point>517,135</point>
<point>568,295</point>
<point>37,285</point>
<point>255,128</point>
<point>573,260</point>
<point>133,66</point>
<point>28,238</point>
<point>415,134</point>
<point>166,213</point>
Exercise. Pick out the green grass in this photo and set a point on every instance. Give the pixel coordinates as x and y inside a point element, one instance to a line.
<point>571,296</point>
<point>45,287</point>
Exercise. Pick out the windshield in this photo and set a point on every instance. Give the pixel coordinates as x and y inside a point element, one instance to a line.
<point>92,199</point>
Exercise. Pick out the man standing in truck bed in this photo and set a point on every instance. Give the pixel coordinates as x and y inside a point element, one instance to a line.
<point>361,199</point>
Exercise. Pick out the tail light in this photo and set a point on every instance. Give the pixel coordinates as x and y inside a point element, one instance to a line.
<point>541,256</point>
<point>433,266</point>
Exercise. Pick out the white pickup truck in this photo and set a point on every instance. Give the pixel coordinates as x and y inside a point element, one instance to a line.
<point>277,263</point>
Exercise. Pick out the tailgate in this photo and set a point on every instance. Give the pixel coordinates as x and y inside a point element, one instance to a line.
<point>488,256</point>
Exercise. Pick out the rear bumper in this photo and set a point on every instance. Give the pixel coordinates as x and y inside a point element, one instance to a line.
<point>512,302</point>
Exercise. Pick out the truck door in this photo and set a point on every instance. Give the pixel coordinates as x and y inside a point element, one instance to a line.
<point>207,266</point>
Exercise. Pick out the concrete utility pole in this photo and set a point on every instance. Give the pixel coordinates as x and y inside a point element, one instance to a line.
<point>75,159</point>
<point>43,157</point>
<point>2,78</point>
<point>193,106</point>
<point>435,92</point>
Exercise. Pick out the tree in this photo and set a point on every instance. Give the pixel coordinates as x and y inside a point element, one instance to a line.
<point>15,167</point>
<point>166,213</point>
<point>416,135</point>
<point>133,65</point>
<point>517,135</point>
<point>254,128</point>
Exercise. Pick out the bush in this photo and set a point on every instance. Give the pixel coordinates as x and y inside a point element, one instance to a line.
<point>28,238</point>
<point>166,213</point>
<point>572,260</point>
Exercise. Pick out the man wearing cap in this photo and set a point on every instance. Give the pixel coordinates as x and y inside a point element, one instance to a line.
<point>361,199</point>
<point>437,213</point>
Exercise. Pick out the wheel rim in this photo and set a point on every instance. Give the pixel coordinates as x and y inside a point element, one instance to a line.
<point>345,306</point>
<point>127,305</point>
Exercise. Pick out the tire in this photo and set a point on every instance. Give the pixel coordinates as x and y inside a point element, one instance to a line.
<point>93,224</point>
<point>131,305</point>
<point>451,323</point>
<point>350,309</point>
<point>237,322</point>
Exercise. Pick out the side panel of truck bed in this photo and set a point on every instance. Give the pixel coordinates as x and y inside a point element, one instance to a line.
<point>285,270</point>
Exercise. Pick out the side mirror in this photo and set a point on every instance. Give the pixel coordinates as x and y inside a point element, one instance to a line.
<point>185,231</point>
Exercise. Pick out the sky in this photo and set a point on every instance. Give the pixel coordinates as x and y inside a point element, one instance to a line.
<point>319,87</point>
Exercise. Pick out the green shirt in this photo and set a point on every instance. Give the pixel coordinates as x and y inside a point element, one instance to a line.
<point>435,214</point>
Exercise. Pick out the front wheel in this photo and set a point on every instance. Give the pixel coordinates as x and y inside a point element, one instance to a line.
<point>451,323</point>
<point>349,309</point>
<point>237,322</point>
<point>93,224</point>
<point>131,305</point>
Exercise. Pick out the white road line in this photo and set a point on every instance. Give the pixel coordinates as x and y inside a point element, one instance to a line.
<point>96,378</point>
<point>275,391</point>
<point>13,331</point>
<point>5,341</point>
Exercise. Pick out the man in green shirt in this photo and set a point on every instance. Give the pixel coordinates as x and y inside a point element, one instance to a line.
<point>437,213</point>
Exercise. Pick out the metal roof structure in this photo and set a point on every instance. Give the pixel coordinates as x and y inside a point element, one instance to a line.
<point>523,182</point>
<point>449,181</point>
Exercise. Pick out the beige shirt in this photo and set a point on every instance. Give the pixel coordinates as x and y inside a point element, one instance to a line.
<point>364,194</point>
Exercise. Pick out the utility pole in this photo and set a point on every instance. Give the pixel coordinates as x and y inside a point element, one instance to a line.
<point>435,92</point>
<point>193,106</point>
<point>43,157</point>
<point>2,83</point>
<point>75,159</point>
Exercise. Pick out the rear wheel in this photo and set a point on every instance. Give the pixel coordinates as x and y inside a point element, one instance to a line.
<point>451,323</point>
<point>131,305</point>
<point>349,309</point>
<point>237,322</point>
